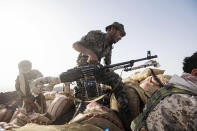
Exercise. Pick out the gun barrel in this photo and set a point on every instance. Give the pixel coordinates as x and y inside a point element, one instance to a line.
<point>71,75</point>
<point>130,62</point>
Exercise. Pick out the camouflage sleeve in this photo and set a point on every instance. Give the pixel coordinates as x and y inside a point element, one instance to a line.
<point>175,112</point>
<point>37,73</point>
<point>90,39</point>
<point>107,58</point>
<point>17,87</point>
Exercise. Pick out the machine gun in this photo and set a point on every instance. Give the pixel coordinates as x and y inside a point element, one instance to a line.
<point>87,72</point>
<point>85,76</point>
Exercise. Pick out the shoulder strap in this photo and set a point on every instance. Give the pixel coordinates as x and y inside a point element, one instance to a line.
<point>156,78</point>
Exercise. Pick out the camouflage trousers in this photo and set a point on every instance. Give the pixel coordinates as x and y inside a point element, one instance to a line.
<point>107,78</point>
<point>112,79</point>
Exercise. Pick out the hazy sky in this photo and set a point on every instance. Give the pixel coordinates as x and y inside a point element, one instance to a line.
<point>43,32</point>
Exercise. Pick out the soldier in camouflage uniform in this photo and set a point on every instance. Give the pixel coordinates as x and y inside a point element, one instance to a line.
<point>97,45</point>
<point>93,47</point>
<point>27,74</point>
<point>174,107</point>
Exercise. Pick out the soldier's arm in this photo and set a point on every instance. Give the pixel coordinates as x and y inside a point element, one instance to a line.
<point>107,59</point>
<point>17,87</point>
<point>92,56</point>
<point>86,44</point>
<point>78,47</point>
<point>39,74</point>
<point>36,74</point>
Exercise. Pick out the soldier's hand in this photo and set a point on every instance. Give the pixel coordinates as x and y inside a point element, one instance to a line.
<point>93,59</point>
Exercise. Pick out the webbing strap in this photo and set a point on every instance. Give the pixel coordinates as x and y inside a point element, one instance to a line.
<point>156,78</point>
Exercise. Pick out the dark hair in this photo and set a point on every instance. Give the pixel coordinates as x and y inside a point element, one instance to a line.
<point>190,63</point>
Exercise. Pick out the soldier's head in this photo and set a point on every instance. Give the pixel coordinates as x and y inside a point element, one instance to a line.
<point>24,66</point>
<point>190,64</point>
<point>116,31</point>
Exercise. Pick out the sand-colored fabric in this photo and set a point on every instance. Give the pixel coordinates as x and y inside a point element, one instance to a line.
<point>163,78</point>
<point>66,127</point>
<point>36,127</point>
<point>142,75</point>
<point>150,85</point>
<point>48,104</point>
<point>7,126</point>
<point>128,79</point>
<point>20,118</point>
<point>59,106</point>
<point>149,88</point>
<point>99,116</point>
<point>50,95</point>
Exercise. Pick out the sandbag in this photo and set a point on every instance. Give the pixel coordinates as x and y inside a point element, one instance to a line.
<point>66,127</point>
<point>20,118</point>
<point>48,104</point>
<point>129,79</point>
<point>38,118</point>
<point>150,85</point>
<point>139,76</point>
<point>59,106</point>
<point>82,127</point>
<point>7,126</point>
<point>5,114</point>
<point>99,116</point>
<point>163,78</point>
<point>95,118</point>
<point>50,95</point>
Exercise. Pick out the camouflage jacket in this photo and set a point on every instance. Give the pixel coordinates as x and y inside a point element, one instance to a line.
<point>177,112</point>
<point>33,74</point>
<point>94,41</point>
